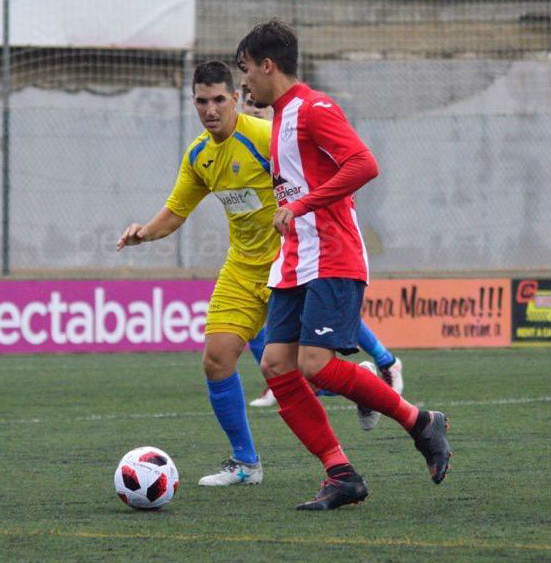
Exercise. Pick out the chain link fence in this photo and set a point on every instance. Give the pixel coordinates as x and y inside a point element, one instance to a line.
<point>452,97</point>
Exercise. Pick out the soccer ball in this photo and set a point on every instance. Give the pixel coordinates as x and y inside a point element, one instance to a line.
<point>146,478</point>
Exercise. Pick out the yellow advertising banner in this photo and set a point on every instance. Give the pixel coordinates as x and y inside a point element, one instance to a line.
<point>440,313</point>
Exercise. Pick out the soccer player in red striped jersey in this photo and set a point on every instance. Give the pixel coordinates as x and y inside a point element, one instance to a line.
<point>389,366</point>
<point>319,275</point>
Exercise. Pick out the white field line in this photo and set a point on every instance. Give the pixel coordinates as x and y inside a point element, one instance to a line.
<point>191,414</point>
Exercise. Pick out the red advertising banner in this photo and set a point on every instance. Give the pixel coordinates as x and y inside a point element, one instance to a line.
<point>440,313</point>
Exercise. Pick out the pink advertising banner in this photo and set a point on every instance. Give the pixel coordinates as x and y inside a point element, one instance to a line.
<point>102,316</point>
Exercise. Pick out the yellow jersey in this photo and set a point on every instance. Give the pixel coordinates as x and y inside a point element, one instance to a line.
<point>237,172</point>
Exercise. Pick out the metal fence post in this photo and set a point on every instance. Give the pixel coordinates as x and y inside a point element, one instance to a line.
<point>6,142</point>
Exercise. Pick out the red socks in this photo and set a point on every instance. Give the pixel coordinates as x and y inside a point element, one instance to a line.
<point>367,389</point>
<point>304,415</point>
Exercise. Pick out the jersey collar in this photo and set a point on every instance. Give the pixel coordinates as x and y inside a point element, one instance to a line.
<point>299,89</point>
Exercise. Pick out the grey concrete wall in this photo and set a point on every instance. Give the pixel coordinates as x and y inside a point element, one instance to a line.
<point>83,166</point>
<point>464,150</point>
<point>463,147</point>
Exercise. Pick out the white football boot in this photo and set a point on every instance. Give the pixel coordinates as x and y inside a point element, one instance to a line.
<point>368,418</point>
<point>393,376</point>
<point>234,472</point>
<point>267,399</point>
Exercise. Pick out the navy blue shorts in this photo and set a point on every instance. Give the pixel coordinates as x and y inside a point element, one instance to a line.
<point>323,312</point>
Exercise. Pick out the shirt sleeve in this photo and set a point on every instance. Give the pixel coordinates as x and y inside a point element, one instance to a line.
<point>188,190</point>
<point>357,170</point>
<point>331,131</point>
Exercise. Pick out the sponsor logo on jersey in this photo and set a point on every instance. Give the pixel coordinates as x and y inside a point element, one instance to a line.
<point>243,200</point>
<point>208,163</point>
<point>284,190</point>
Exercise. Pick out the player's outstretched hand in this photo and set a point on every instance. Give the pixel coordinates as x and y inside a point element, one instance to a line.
<point>282,220</point>
<point>132,236</point>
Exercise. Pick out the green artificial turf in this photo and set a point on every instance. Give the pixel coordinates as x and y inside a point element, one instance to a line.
<point>66,421</point>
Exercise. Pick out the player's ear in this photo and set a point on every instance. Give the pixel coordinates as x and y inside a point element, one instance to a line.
<point>235,96</point>
<point>268,66</point>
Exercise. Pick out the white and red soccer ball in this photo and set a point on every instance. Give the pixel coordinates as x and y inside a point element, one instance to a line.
<point>146,478</point>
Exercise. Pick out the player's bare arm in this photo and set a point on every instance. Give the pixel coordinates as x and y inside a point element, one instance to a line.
<point>162,225</point>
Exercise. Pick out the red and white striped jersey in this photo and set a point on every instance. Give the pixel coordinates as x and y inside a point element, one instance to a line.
<point>311,140</point>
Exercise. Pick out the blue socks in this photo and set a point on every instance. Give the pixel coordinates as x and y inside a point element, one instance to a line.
<point>371,344</point>
<point>228,403</point>
<point>256,345</point>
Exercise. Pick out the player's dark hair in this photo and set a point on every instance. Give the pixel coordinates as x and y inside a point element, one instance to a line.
<point>270,40</point>
<point>213,72</point>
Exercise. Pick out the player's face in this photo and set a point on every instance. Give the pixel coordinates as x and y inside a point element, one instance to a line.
<point>249,108</point>
<point>257,80</point>
<point>217,109</point>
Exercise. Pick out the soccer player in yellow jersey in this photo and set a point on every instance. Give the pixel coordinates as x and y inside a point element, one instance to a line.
<point>230,159</point>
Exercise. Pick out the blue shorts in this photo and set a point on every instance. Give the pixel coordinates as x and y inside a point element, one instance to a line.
<point>323,312</point>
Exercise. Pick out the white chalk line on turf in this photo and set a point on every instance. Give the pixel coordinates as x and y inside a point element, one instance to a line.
<point>513,401</point>
<point>191,414</point>
<point>469,543</point>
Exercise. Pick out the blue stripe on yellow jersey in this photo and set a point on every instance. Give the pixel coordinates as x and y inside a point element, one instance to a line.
<point>265,163</point>
<point>194,152</point>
